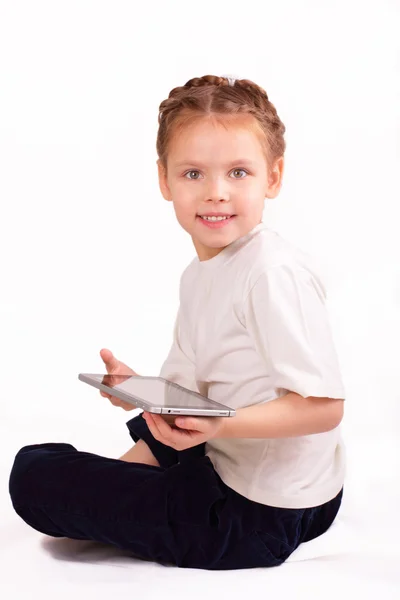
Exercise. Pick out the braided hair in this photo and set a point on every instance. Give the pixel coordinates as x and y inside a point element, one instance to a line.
<point>225,100</point>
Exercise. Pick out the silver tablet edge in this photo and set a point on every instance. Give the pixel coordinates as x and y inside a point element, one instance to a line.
<point>157,409</point>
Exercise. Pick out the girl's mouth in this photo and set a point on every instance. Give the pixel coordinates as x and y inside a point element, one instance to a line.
<point>217,224</point>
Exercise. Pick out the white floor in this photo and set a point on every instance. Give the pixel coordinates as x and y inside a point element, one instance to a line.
<point>359,554</point>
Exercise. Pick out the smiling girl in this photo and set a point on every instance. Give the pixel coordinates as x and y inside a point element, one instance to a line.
<point>252,331</point>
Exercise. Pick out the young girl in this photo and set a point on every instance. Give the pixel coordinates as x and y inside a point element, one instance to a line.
<point>252,332</point>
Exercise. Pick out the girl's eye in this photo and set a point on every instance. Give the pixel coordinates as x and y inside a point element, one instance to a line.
<point>194,171</point>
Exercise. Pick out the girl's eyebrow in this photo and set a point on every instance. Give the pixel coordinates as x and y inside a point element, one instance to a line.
<point>242,161</point>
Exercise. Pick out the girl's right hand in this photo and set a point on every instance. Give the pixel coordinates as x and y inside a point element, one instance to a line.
<point>116,367</point>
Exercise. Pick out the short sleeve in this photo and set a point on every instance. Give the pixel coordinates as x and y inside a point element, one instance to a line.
<point>179,366</point>
<point>286,315</point>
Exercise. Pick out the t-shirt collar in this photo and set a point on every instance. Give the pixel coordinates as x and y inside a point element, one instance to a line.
<point>226,252</point>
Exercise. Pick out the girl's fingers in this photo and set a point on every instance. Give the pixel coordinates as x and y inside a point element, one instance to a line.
<point>117,402</point>
<point>161,425</point>
<point>179,439</point>
<point>158,427</point>
<point>152,426</point>
<point>127,406</point>
<point>165,431</point>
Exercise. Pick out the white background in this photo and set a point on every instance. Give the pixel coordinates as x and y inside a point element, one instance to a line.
<point>91,253</point>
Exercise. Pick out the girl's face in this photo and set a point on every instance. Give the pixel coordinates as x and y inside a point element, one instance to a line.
<point>216,170</point>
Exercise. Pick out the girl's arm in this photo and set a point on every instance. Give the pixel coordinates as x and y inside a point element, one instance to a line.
<point>287,318</point>
<point>289,416</point>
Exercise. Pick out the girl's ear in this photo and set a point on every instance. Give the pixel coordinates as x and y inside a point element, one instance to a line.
<point>162,181</point>
<point>275,178</point>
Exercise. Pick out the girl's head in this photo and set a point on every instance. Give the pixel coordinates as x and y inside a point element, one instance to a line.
<point>220,149</point>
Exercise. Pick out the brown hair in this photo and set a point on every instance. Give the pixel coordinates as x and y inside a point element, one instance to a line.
<point>213,97</point>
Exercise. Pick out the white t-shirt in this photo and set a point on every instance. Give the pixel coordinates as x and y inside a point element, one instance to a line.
<point>252,325</point>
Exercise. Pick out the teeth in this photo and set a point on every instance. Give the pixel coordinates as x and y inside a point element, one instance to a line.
<point>215,218</point>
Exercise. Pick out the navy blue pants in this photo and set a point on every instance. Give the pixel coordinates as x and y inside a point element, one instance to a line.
<point>180,513</point>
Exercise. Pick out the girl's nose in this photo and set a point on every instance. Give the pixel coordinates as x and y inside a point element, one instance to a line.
<point>218,190</point>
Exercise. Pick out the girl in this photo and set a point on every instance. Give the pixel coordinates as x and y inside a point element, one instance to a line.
<point>252,331</point>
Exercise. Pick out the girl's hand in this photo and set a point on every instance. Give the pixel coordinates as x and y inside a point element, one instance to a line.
<point>117,369</point>
<point>190,431</point>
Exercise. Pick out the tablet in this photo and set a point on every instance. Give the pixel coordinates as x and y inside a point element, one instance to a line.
<point>157,395</point>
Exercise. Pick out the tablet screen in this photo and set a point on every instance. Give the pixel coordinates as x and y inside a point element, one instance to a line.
<point>156,392</point>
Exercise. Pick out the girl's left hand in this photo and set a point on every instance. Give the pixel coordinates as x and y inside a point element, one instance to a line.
<point>190,431</point>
